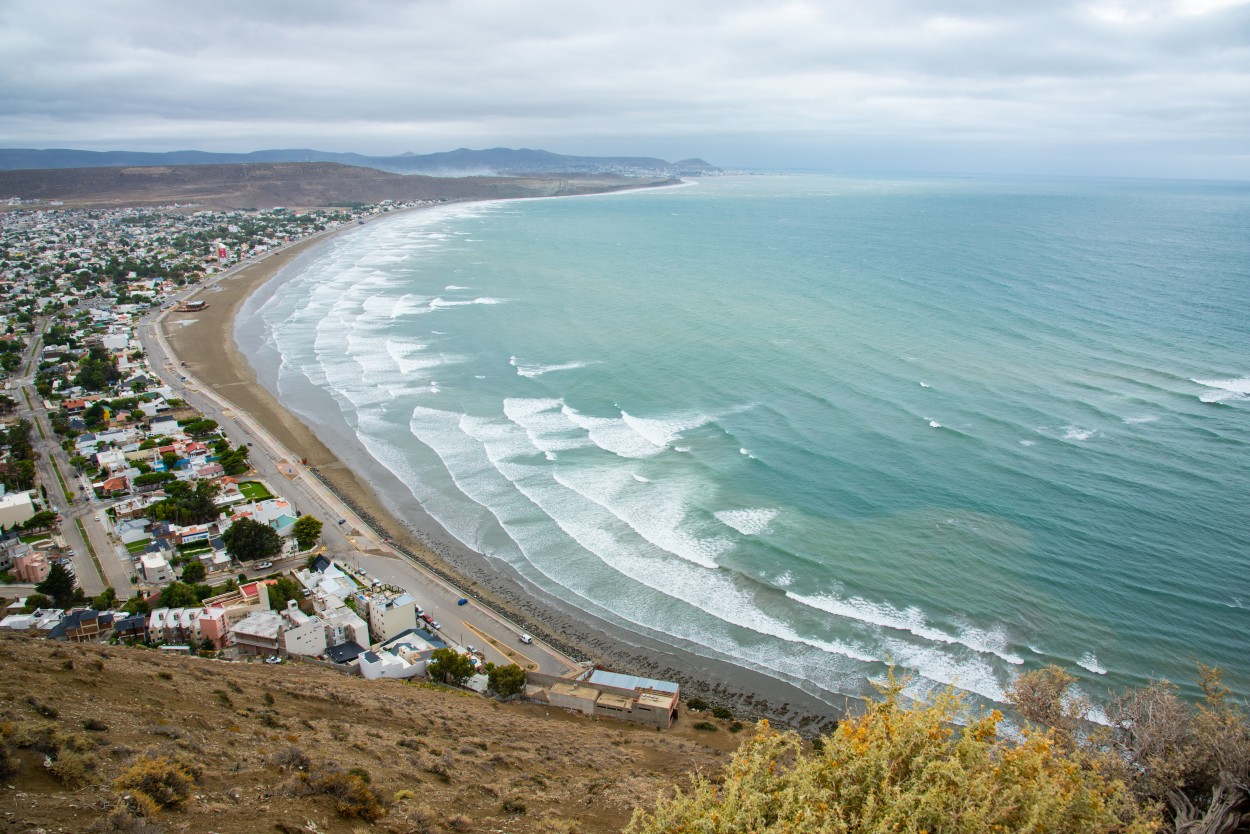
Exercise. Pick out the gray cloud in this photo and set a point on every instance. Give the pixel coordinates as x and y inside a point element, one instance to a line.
<point>1110,86</point>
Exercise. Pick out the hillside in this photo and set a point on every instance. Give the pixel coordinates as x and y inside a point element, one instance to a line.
<point>487,161</point>
<point>295,184</point>
<point>261,734</point>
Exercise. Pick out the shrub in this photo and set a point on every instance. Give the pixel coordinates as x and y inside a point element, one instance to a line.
<point>706,726</point>
<point>513,806</point>
<point>292,758</point>
<point>696,704</point>
<point>46,710</point>
<point>165,780</point>
<point>9,762</point>
<point>72,769</point>
<point>360,773</point>
<point>354,799</point>
<point>459,822</point>
<point>722,713</point>
<point>95,726</point>
<point>895,768</point>
<point>735,727</point>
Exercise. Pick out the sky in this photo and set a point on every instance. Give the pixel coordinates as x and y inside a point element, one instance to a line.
<point>1105,88</point>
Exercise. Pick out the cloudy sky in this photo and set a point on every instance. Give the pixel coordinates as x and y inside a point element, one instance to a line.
<point>1114,87</point>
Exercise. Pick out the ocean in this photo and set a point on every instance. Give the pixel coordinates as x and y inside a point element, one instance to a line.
<point>814,425</point>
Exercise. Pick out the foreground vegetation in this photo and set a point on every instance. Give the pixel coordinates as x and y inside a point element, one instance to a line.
<point>1162,765</point>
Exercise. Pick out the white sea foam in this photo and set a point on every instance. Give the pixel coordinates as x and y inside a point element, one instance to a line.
<point>1028,442</point>
<point>1077,433</point>
<point>440,302</point>
<point>911,620</point>
<point>924,385</point>
<point>1090,661</point>
<point>530,369</point>
<point>658,514</point>
<point>1226,390</point>
<point>454,287</point>
<point>663,431</point>
<point>613,435</point>
<point>641,479</point>
<point>747,522</point>
<point>934,424</point>
<point>1132,421</point>
<point>545,425</point>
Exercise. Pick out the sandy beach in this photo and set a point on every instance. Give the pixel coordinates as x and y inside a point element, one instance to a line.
<point>204,342</point>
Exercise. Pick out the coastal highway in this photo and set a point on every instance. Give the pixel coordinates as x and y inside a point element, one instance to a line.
<point>352,543</point>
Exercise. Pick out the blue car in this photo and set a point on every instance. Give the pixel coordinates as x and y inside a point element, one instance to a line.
<point>462,601</point>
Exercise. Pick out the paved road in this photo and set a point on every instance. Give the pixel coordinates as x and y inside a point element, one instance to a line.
<point>467,624</point>
<point>83,507</point>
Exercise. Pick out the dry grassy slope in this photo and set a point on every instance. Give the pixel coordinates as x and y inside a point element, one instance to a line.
<point>457,753</point>
<point>295,184</point>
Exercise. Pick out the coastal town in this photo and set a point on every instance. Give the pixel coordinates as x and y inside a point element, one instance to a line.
<point>140,506</point>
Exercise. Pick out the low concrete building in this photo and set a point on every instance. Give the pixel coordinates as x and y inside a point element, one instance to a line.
<point>611,695</point>
<point>16,508</point>
<point>155,568</point>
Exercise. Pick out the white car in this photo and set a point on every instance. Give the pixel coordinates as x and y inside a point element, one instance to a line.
<point>435,625</point>
<point>263,565</point>
<point>526,639</point>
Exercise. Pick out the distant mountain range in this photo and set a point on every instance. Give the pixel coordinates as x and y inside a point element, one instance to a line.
<point>296,184</point>
<point>461,162</point>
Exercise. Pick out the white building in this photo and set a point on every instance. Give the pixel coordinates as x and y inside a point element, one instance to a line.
<point>155,568</point>
<point>390,614</point>
<point>16,508</point>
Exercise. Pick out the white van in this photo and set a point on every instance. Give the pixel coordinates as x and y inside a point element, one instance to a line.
<point>526,639</point>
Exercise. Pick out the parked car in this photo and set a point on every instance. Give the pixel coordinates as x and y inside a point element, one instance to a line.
<point>274,659</point>
<point>435,625</point>
<point>462,601</point>
<point>427,617</point>
<point>263,565</point>
<point>526,639</point>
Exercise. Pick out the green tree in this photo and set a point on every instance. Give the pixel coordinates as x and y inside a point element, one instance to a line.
<point>307,530</point>
<point>908,770</point>
<point>59,585</point>
<point>105,601</point>
<point>137,605</point>
<point>283,590</point>
<point>449,666</point>
<point>36,601</point>
<point>251,541</point>
<point>507,680</point>
<point>178,595</point>
<point>40,520</point>
<point>194,571</point>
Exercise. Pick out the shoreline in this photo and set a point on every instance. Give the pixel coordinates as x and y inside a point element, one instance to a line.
<point>205,342</point>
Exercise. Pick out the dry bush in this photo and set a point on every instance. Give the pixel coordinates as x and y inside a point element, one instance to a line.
<point>72,769</point>
<point>291,758</point>
<point>162,779</point>
<point>459,822</point>
<point>123,821</point>
<point>354,799</point>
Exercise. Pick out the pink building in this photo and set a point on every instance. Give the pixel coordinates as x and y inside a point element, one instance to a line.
<point>31,567</point>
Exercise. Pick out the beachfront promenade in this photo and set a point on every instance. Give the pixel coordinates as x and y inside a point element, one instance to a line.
<point>354,543</point>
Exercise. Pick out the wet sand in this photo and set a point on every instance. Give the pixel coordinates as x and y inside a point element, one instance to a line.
<point>205,343</point>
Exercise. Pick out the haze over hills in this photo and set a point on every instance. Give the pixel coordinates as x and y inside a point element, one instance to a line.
<point>463,161</point>
<point>296,184</point>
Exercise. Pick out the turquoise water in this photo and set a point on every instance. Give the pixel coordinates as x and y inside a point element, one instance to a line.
<point>809,424</point>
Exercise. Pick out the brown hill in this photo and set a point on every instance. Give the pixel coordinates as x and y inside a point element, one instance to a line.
<point>281,748</point>
<point>295,184</point>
